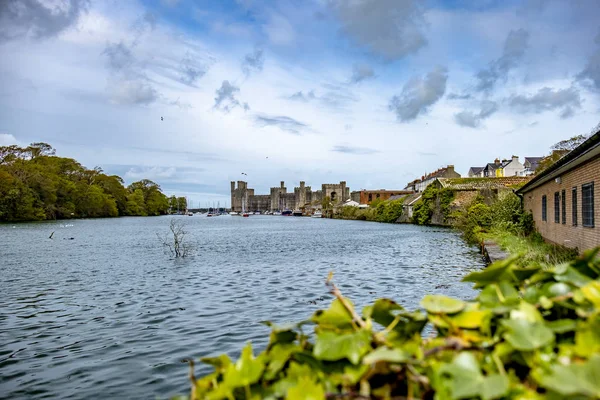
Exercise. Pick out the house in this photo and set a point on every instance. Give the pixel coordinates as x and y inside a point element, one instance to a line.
<point>367,196</point>
<point>564,198</point>
<point>412,185</point>
<point>475,172</point>
<point>489,170</point>
<point>477,184</point>
<point>530,165</point>
<point>512,167</point>
<point>447,172</point>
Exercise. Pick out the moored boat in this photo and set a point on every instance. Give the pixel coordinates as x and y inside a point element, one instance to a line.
<point>317,214</point>
<point>286,213</point>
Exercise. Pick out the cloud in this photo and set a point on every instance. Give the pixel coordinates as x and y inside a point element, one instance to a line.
<point>590,75</point>
<point>284,123</point>
<point>391,29</point>
<point>361,72</point>
<point>279,30</point>
<point>191,70</point>
<point>473,120</point>
<point>514,48</point>
<point>353,150</point>
<point>7,139</point>
<point>126,82</point>
<point>547,99</point>
<point>418,94</point>
<point>253,62</point>
<point>301,96</point>
<point>38,19</point>
<point>225,99</point>
<point>152,173</point>
<point>456,96</point>
<point>119,56</point>
<point>133,92</point>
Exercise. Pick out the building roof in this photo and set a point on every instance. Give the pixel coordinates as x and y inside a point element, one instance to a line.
<point>400,191</point>
<point>507,182</point>
<point>586,151</point>
<point>476,170</point>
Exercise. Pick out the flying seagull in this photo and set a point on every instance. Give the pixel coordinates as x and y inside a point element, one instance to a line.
<point>161,118</point>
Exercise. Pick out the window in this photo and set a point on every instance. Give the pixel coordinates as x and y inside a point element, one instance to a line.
<point>557,207</point>
<point>574,206</point>
<point>564,206</point>
<point>544,204</point>
<point>587,205</point>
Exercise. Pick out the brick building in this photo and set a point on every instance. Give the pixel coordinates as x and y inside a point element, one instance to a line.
<point>565,198</point>
<point>367,196</point>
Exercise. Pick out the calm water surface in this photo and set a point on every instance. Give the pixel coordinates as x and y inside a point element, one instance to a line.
<point>108,314</point>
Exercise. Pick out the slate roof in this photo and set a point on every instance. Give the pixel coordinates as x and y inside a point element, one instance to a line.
<point>475,170</point>
<point>581,154</point>
<point>534,161</point>
<point>483,183</point>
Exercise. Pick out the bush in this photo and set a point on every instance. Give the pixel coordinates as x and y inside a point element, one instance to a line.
<point>531,333</point>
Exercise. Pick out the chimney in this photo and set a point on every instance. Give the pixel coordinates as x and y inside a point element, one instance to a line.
<point>450,168</point>
<point>497,161</point>
<point>515,158</point>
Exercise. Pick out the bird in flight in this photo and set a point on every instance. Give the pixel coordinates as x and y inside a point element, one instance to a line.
<point>243,173</point>
<point>161,118</point>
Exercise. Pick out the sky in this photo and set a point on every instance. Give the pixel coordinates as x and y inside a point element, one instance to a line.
<point>191,94</point>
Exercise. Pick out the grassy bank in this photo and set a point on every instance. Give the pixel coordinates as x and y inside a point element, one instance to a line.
<point>379,211</point>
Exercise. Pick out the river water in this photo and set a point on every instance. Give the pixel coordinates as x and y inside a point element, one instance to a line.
<point>107,314</point>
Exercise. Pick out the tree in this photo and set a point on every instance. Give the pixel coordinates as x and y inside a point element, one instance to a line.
<point>326,203</point>
<point>559,150</point>
<point>569,144</point>
<point>182,203</point>
<point>175,240</point>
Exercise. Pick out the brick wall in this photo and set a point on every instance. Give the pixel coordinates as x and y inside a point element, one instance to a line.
<point>566,234</point>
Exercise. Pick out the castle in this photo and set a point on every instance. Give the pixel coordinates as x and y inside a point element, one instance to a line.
<point>244,199</point>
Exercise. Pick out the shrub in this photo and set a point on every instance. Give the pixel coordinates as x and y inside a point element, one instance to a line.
<point>531,333</point>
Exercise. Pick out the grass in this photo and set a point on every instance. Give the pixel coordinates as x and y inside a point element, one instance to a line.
<point>531,249</point>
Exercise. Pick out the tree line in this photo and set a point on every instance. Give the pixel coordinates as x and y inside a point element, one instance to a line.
<point>37,185</point>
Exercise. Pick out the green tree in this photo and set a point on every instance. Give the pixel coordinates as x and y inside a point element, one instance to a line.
<point>182,203</point>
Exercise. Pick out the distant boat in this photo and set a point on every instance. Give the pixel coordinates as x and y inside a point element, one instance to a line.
<point>190,214</point>
<point>286,213</point>
<point>209,214</point>
<point>297,213</point>
<point>276,213</point>
<point>317,214</point>
<point>233,213</point>
<point>257,213</point>
<point>245,215</point>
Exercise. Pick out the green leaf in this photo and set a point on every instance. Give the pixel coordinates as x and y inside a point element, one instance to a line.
<point>246,371</point>
<point>220,362</point>
<point>336,316</point>
<point>574,277</point>
<point>591,292</point>
<point>573,379</point>
<point>470,319</point>
<point>494,386</point>
<point>562,325</point>
<point>306,389</point>
<point>332,346</point>
<point>278,356</point>
<point>525,273</point>
<point>438,304</point>
<point>527,336</point>
<point>587,338</point>
<point>528,312</point>
<point>493,273</point>
<point>556,289</point>
<point>395,355</point>
<point>382,311</point>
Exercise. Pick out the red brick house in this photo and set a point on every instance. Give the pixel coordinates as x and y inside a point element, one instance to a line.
<point>565,198</point>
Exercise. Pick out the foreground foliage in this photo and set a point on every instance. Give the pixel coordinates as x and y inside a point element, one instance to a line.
<point>531,333</point>
<point>37,185</point>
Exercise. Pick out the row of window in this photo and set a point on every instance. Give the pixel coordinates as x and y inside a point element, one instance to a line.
<point>587,206</point>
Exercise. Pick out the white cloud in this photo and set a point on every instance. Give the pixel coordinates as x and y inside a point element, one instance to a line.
<point>8,140</point>
<point>152,173</point>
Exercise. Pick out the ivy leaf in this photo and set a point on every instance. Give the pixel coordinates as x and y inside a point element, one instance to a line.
<point>562,325</point>
<point>493,273</point>
<point>332,346</point>
<point>220,363</point>
<point>438,304</point>
<point>574,379</point>
<point>494,386</point>
<point>306,389</point>
<point>246,371</point>
<point>587,338</point>
<point>527,336</point>
<point>382,311</point>
<point>591,292</point>
<point>279,355</point>
<point>336,316</point>
<point>395,355</point>
<point>573,277</point>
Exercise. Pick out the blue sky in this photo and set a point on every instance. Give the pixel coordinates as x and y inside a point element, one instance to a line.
<point>373,92</point>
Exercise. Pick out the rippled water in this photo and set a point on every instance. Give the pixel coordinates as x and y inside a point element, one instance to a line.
<point>108,314</point>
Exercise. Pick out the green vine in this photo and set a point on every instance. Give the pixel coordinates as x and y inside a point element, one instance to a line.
<point>531,333</point>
